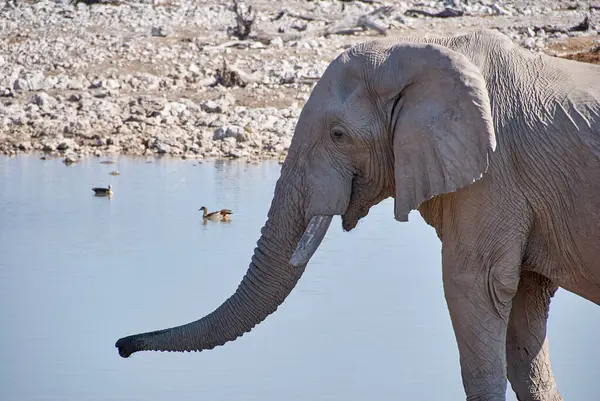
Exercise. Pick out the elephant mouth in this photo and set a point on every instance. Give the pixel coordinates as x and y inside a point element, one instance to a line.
<point>351,217</point>
<point>354,211</point>
<point>362,200</point>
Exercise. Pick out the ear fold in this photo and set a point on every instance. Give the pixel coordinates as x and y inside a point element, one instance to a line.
<point>442,123</point>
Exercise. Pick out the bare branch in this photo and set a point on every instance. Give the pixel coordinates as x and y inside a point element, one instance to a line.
<point>244,20</point>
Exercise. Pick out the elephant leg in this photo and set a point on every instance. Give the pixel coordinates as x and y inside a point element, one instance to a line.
<point>528,357</point>
<point>479,288</point>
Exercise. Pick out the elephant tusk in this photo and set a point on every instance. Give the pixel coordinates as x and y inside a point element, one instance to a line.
<point>310,240</point>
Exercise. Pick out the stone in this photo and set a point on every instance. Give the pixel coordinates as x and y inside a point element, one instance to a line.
<point>247,135</point>
<point>175,108</point>
<point>62,146</point>
<point>211,106</point>
<point>229,131</point>
<point>34,81</point>
<point>49,146</point>
<point>498,9</point>
<point>162,148</point>
<point>237,153</point>
<point>159,31</point>
<point>20,84</point>
<point>25,146</point>
<point>529,43</point>
<point>111,84</point>
<point>70,160</point>
<point>43,100</point>
<point>277,42</point>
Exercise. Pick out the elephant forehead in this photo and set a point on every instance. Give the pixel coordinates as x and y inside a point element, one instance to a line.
<point>341,81</point>
<point>343,101</point>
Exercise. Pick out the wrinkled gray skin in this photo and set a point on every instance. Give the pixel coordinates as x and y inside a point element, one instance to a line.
<point>498,148</point>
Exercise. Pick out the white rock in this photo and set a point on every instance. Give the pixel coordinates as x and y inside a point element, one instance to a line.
<point>230,131</point>
<point>529,43</point>
<point>277,42</point>
<point>500,10</point>
<point>43,100</point>
<point>210,106</point>
<point>67,144</point>
<point>160,31</point>
<point>111,84</point>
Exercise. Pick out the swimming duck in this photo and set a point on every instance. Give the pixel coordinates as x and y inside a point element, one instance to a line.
<point>103,191</point>
<point>221,215</point>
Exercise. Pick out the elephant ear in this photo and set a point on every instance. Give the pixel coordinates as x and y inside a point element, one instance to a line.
<point>441,122</point>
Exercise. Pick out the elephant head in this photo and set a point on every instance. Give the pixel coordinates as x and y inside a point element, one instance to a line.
<point>409,120</point>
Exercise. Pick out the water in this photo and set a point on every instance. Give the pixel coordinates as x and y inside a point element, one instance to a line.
<point>367,321</point>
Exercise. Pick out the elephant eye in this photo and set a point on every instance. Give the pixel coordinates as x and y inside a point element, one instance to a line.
<point>337,133</point>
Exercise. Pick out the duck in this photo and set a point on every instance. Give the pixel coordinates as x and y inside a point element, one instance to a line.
<point>103,191</point>
<point>221,215</point>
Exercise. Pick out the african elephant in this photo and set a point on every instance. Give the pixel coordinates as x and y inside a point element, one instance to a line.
<point>498,148</point>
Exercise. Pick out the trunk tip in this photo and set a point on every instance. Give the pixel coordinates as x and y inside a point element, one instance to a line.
<point>127,346</point>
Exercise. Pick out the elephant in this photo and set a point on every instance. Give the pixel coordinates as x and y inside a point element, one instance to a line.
<point>497,148</point>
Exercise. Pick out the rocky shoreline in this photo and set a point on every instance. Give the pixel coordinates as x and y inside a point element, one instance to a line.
<point>217,79</point>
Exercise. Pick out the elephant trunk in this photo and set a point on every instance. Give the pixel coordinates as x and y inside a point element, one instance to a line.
<point>270,278</point>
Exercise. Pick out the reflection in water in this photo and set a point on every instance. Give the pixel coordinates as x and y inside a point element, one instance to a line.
<point>367,320</point>
<point>208,221</point>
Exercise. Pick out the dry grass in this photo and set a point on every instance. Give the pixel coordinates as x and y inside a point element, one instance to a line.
<point>585,49</point>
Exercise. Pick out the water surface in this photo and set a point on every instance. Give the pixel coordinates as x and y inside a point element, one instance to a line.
<point>367,321</point>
